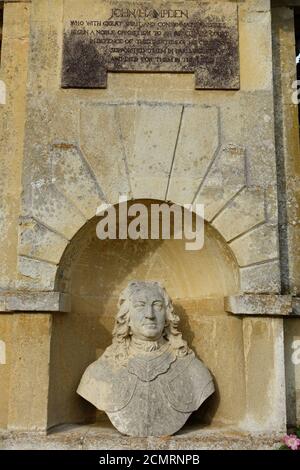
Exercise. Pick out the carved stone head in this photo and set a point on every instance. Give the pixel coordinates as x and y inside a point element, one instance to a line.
<point>146,313</point>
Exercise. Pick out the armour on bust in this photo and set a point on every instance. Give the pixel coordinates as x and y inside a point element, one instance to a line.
<point>148,381</point>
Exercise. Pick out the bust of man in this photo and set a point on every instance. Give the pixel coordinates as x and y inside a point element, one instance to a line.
<point>148,381</point>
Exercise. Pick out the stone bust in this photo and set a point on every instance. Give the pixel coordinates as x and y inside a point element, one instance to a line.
<point>148,381</point>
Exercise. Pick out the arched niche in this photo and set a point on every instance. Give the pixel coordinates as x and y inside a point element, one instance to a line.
<point>94,272</point>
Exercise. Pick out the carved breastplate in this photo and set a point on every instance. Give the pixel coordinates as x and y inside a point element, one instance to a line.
<point>153,394</point>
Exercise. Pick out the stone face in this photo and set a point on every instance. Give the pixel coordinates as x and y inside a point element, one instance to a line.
<point>148,381</point>
<point>159,37</point>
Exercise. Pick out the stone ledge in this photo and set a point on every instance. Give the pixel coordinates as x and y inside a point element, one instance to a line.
<point>34,302</point>
<point>296,305</point>
<point>15,1</point>
<point>102,436</point>
<point>260,304</point>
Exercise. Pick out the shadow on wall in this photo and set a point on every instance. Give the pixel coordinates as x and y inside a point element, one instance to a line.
<point>96,271</point>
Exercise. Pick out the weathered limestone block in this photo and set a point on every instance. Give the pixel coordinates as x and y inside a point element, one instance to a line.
<point>271,204</point>
<point>225,331</point>
<point>14,56</point>
<point>38,241</point>
<point>260,244</point>
<point>265,374</point>
<point>29,381</point>
<point>102,143</point>
<point>5,337</point>
<point>150,133</point>
<point>241,214</point>
<point>64,118</point>
<point>225,178</point>
<point>55,211</point>
<point>197,142</point>
<point>262,278</point>
<point>250,304</point>
<point>296,305</point>
<point>256,44</point>
<point>259,6</point>
<point>283,24</point>
<point>2,304</point>
<point>25,301</point>
<point>74,178</point>
<point>35,274</point>
<point>148,381</point>
<point>257,121</point>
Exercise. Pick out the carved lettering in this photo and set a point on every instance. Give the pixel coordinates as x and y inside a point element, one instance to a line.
<point>202,39</point>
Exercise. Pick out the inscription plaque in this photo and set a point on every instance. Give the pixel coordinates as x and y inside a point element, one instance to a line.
<point>182,37</point>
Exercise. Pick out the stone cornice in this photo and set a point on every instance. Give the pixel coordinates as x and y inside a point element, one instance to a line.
<point>263,305</point>
<point>35,302</point>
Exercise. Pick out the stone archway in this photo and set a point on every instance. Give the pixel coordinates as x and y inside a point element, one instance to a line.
<point>93,272</point>
<point>146,150</point>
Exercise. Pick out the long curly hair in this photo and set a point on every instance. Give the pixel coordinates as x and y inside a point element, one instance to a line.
<point>121,332</point>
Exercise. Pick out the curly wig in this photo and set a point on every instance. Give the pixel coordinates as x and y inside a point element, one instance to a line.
<point>122,334</point>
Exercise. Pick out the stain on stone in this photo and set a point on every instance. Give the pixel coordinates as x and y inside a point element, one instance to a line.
<point>64,146</point>
<point>83,65</point>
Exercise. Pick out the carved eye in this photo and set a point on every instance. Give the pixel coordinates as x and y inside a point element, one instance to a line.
<point>139,304</point>
<point>158,305</point>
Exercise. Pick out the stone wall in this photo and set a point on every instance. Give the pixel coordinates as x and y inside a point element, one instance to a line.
<point>225,156</point>
<point>13,73</point>
<point>288,158</point>
<point>154,137</point>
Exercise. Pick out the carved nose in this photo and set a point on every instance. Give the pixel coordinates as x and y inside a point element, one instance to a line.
<point>149,312</point>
